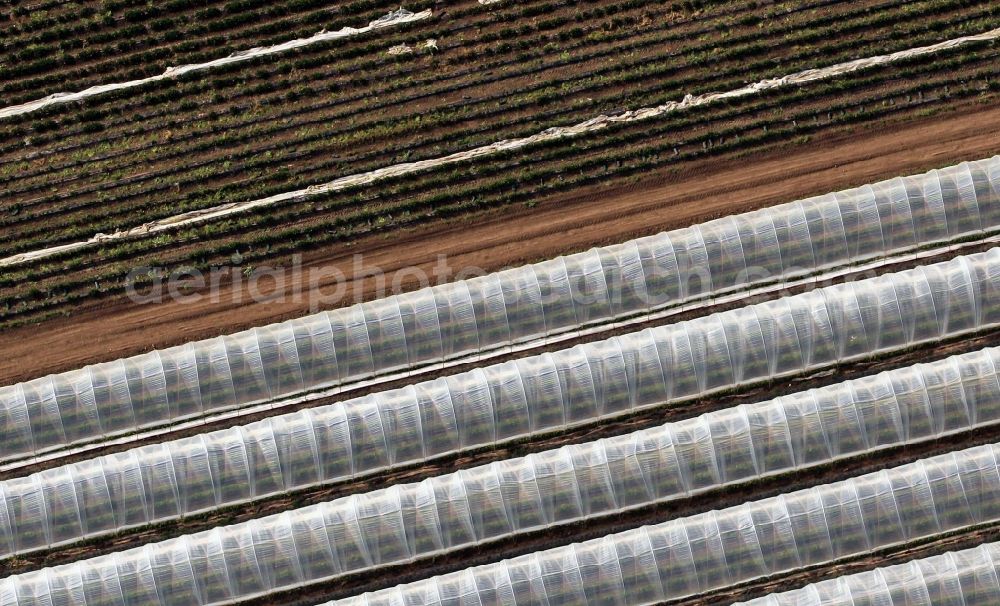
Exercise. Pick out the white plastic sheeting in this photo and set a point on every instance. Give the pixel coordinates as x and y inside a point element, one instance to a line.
<point>970,577</point>
<point>488,313</point>
<point>397,17</point>
<point>569,484</point>
<point>650,564</point>
<point>549,134</point>
<point>692,555</point>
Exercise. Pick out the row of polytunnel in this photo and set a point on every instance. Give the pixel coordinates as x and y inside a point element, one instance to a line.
<point>553,391</point>
<point>970,577</point>
<point>485,314</point>
<point>649,367</point>
<point>693,555</point>
<point>676,460</point>
<point>650,564</point>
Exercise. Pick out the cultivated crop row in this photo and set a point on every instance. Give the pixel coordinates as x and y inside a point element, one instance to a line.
<point>620,151</point>
<point>462,18</point>
<point>92,43</point>
<point>153,193</point>
<point>178,133</point>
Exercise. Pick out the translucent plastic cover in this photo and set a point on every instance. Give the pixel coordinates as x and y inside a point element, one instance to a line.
<point>646,565</point>
<point>515,306</point>
<point>717,549</point>
<point>552,391</point>
<point>959,578</point>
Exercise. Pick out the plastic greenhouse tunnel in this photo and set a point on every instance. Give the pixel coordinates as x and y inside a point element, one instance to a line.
<point>551,392</point>
<point>676,460</point>
<point>646,565</point>
<point>694,555</point>
<point>488,314</point>
<point>554,391</point>
<point>970,577</point>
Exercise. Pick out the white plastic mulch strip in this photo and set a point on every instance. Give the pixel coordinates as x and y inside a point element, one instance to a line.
<point>397,17</point>
<point>550,134</point>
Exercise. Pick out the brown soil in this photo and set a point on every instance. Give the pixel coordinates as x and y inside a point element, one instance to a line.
<point>561,224</point>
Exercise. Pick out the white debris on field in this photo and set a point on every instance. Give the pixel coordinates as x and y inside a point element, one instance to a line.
<point>397,17</point>
<point>550,134</point>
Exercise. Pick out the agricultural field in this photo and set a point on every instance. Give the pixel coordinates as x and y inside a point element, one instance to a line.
<point>680,302</point>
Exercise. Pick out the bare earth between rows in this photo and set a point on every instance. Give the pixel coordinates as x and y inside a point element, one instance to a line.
<point>562,223</point>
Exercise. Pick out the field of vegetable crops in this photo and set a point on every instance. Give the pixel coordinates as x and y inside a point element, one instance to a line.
<point>680,302</point>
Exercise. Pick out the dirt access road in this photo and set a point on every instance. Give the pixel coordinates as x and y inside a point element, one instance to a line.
<point>564,223</point>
